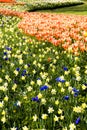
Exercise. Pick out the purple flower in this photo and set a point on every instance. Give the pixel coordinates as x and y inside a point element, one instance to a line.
<point>85,84</point>
<point>5,53</point>
<point>60,80</point>
<point>75,94</point>
<point>18,69</point>
<point>28,65</point>
<point>35,99</point>
<point>43,87</point>
<point>66,97</point>
<point>15,81</point>
<point>15,104</point>
<point>65,68</point>
<point>17,128</point>
<point>8,48</point>
<point>75,90</point>
<point>77,120</point>
<point>23,73</point>
<point>6,58</point>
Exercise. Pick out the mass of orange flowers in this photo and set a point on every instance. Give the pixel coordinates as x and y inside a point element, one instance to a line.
<point>68,31</point>
<point>7,1</point>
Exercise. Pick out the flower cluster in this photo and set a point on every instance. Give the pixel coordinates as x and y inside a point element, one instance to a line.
<point>7,1</point>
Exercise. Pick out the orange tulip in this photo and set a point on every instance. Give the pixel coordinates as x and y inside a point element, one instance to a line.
<point>7,1</point>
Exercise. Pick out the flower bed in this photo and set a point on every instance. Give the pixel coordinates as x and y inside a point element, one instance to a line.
<point>49,4</point>
<point>43,86</point>
<point>69,33</point>
<point>36,4</point>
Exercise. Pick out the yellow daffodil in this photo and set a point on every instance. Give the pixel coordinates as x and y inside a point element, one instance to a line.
<point>44,116</point>
<point>25,128</point>
<point>72,126</point>
<point>56,118</point>
<point>50,110</point>
<point>35,117</point>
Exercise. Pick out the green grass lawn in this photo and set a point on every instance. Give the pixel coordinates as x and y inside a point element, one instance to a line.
<point>78,9</point>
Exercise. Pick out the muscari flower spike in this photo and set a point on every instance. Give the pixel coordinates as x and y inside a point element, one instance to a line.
<point>17,128</point>
<point>5,53</point>
<point>8,48</point>
<point>77,120</point>
<point>15,104</point>
<point>43,87</point>
<point>85,84</point>
<point>6,58</point>
<point>28,65</point>
<point>76,92</point>
<point>18,69</point>
<point>15,81</point>
<point>23,73</point>
<point>65,68</point>
<point>66,97</point>
<point>35,99</point>
<point>60,80</point>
